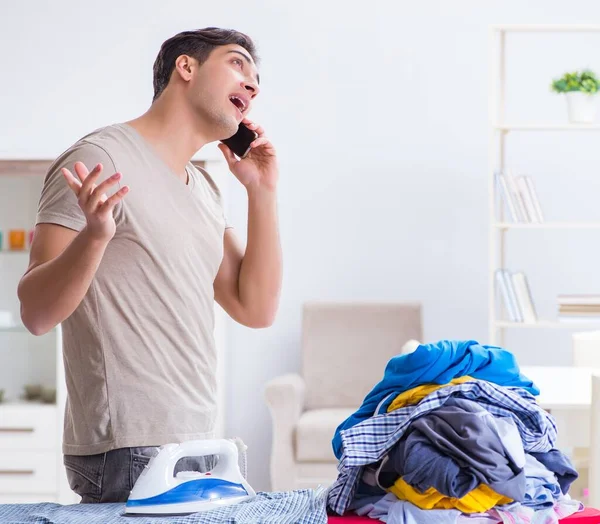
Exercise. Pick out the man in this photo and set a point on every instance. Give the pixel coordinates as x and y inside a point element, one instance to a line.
<point>130,250</point>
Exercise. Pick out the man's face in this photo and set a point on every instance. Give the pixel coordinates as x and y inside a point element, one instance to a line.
<point>223,88</point>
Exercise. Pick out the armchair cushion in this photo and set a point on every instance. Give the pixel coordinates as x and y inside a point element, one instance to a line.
<point>314,432</point>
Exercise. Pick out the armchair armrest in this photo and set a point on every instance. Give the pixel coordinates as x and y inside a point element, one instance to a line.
<point>285,395</point>
<point>285,399</point>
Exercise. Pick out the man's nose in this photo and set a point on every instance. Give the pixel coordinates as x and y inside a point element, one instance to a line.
<point>252,87</point>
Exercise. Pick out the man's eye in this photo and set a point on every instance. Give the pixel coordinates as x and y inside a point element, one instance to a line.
<point>237,61</point>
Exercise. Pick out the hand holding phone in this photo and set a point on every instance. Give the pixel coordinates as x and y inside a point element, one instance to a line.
<point>240,142</point>
<point>260,167</point>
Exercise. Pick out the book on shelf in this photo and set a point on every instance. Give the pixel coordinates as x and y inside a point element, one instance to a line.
<point>515,194</point>
<point>524,297</point>
<point>537,208</point>
<point>516,295</point>
<point>520,197</point>
<point>508,297</point>
<point>579,307</point>
<point>579,300</point>
<point>504,190</point>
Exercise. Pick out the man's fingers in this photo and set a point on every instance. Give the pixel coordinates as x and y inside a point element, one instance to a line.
<point>259,142</point>
<point>114,200</point>
<point>254,127</point>
<point>87,184</point>
<point>98,194</point>
<point>81,171</point>
<point>72,182</point>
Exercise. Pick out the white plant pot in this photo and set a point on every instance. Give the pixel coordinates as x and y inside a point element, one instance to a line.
<point>582,107</point>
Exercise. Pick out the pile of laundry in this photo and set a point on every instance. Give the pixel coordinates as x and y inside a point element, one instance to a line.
<point>452,434</point>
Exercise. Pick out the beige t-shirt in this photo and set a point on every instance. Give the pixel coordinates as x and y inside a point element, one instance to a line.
<point>139,351</point>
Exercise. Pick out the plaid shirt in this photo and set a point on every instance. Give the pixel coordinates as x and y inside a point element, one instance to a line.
<point>367,442</point>
<point>293,507</point>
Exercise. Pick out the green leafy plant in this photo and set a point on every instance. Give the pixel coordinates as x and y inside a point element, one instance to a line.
<point>584,81</point>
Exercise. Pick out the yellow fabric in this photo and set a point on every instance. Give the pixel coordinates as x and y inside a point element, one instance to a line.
<point>415,395</point>
<point>480,500</point>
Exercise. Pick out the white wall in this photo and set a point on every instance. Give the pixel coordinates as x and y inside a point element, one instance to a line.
<point>379,112</point>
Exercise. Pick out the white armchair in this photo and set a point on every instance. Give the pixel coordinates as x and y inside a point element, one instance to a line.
<point>345,347</point>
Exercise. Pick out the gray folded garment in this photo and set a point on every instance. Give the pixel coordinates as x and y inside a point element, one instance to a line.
<point>454,449</point>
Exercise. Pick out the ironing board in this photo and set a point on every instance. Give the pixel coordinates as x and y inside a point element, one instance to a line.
<point>299,507</point>
<point>587,516</point>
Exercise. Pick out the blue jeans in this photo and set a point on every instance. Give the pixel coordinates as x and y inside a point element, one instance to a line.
<point>110,476</point>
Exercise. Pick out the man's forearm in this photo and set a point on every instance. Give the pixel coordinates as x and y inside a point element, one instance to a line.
<point>261,269</point>
<point>50,292</point>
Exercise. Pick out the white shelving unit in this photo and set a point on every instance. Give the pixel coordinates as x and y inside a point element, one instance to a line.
<point>31,465</point>
<point>31,468</point>
<point>499,130</point>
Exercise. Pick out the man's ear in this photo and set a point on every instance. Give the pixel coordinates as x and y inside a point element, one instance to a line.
<point>184,66</point>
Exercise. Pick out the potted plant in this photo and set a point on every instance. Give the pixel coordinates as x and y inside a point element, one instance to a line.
<point>580,89</point>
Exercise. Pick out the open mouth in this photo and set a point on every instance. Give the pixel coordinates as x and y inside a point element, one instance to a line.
<point>238,102</point>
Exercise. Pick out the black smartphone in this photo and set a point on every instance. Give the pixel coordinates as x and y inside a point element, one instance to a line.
<point>240,142</point>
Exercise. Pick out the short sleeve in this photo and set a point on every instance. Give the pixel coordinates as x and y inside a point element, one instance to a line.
<point>58,204</point>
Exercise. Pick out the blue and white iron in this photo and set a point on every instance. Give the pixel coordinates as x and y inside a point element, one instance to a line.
<point>159,491</point>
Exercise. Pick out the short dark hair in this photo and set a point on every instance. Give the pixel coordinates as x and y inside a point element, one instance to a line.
<point>197,44</point>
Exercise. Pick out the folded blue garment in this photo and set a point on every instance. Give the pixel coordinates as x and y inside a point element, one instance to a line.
<point>437,363</point>
<point>557,462</point>
<point>302,507</point>
<point>542,489</point>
